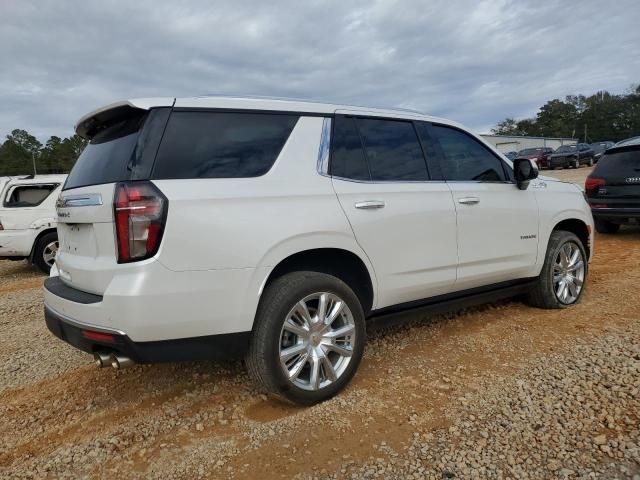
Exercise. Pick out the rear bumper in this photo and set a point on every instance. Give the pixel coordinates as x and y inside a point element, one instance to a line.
<point>615,213</point>
<point>82,336</point>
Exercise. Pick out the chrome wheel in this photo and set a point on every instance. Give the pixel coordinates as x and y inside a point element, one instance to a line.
<point>568,273</point>
<point>317,340</point>
<point>49,253</point>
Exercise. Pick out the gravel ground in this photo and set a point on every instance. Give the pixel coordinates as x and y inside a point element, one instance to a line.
<point>500,391</point>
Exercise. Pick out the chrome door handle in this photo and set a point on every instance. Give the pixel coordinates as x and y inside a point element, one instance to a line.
<point>469,200</point>
<point>370,204</point>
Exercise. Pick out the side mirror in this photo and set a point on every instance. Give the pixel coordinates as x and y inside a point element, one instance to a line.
<point>524,170</point>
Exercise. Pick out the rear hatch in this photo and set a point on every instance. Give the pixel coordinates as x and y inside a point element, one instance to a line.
<point>616,179</point>
<point>123,141</point>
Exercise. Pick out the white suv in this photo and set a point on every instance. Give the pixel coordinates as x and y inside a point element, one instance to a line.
<point>200,228</point>
<point>28,218</point>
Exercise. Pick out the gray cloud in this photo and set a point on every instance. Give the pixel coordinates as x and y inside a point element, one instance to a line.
<point>473,61</point>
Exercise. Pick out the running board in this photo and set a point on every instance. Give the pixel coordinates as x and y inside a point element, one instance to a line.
<point>448,303</point>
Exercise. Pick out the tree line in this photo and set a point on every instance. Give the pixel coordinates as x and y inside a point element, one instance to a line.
<point>20,150</point>
<point>599,117</point>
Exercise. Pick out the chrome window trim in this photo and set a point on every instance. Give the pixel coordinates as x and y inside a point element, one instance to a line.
<point>324,148</point>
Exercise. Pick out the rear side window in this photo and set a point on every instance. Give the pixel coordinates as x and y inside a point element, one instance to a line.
<point>465,158</point>
<point>347,156</point>
<point>105,158</point>
<point>28,195</point>
<point>619,164</point>
<point>221,145</point>
<point>393,150</point>
<point>376,149</point>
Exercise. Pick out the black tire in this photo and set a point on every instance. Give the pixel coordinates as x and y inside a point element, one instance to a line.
<point>605,226</point>
<point>590,162</point>
<point>42,248</point>
<point>542,295</point>
<point>278,299</point>
<point>575,163</point>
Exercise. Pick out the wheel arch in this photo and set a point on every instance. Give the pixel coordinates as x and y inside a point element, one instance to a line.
<point>579,228</point>
<point>339,262</point>
<point>37,239</point>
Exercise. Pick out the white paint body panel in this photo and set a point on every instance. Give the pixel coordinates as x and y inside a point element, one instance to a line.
<point>411,241</point>
<point>223,237</point>
<point>22,225</point>
<point>490,247</point>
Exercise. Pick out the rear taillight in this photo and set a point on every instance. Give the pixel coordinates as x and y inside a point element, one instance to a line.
<point>140,212</point>
<point>592,184</point>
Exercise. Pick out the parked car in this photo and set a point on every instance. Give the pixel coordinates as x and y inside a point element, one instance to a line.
<point>280,230</point>
<point>613,188</point>
<point>572,156</point>
<point>599,148</point>
<point>28,219</point>
<point>626,141</point>
<point>511,155</point>
<point>540,155</point>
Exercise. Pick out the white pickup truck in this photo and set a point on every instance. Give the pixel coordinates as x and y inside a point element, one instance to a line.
<point>28,218</point>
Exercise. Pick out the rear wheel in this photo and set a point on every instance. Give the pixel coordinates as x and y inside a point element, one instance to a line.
<point>561,282</point>
<point>605,226</point>
<point>308,338</point>
<point>44,254</point>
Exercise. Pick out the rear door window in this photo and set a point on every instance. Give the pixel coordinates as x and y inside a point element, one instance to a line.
<point>28,195</point>
<point>203,144</point>
<point>393,150</point>
<point>466,159</point>
<point>347,156</point>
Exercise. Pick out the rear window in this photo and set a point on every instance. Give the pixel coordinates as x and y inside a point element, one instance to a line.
<point>28,195</point>
<point>105,158</point>
<point>221,144</point>
<point>625,163</point>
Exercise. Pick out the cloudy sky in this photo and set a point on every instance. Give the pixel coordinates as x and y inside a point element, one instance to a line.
<point>473,61</point>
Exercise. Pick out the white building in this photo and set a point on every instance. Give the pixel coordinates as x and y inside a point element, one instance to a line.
<point>515,143</point>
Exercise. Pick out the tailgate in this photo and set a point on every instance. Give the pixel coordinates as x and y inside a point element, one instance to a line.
<point>87,253</point>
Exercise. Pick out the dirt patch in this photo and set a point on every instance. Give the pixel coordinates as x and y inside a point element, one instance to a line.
<point>420,388</point>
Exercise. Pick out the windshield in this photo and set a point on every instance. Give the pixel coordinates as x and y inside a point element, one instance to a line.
<point>566,148</point>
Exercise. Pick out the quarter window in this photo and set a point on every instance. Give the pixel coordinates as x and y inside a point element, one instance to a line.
<point>465,158</point>
<point>221,144</point>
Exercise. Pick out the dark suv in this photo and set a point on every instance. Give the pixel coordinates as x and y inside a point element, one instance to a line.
<point>538,154</point>
<point>572,156</point>
<point>599,148</point>
<point>613,188</point>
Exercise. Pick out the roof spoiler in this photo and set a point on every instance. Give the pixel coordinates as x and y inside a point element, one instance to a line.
<point>94,121</point>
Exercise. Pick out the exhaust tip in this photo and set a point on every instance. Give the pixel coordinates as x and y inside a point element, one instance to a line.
<point>119,361</point>
<point>102,359</point>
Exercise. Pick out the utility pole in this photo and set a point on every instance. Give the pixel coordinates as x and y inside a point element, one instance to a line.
<point>585,133</point>
<point>33,159</point>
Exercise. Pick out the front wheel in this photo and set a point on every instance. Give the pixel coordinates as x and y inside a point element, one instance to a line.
<point>564,273</point>
<point>590,162</point>
<point>308,338</point>
<point>45,251</point>
<point>576,163</point>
